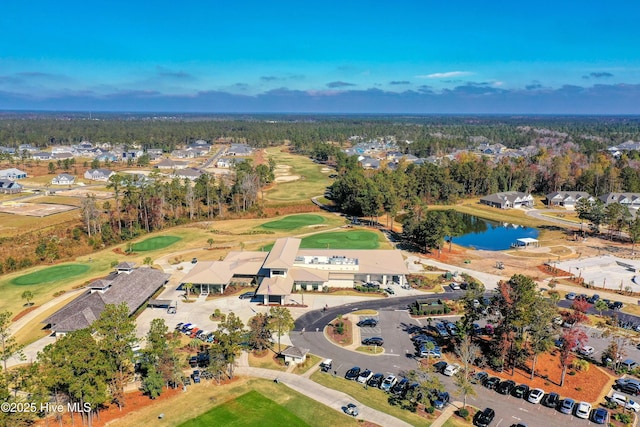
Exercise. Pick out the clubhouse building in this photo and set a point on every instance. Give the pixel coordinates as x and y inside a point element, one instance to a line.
<point>288,268</point>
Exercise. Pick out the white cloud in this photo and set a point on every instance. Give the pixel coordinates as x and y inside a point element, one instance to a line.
<point>446,75</point>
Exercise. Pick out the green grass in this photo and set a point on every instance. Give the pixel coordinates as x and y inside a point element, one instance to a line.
<point>155,243</point>
<point>312,181</point>
<point>372,397</point>
<point>293,221</point>
<point>355,239</point>
<point>51,274</point>
<point>250,409</point>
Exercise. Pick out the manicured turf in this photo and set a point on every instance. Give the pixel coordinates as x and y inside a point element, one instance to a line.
<point>294,221</point>
<point>356,239</point>
<point>250,409</point>
<point>51,274</point>
<point>155,243</point>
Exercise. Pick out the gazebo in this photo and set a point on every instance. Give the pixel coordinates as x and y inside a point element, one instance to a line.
<point>526,241</point>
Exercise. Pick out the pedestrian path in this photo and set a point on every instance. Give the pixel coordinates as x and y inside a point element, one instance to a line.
<point>327,396</point>
<point>446,414</point>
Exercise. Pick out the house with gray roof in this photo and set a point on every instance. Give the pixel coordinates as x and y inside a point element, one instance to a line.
<point>630,200</point>
<point>8,186</point>
<point>188,173</point>
<point>12,173</point>
<point>63,179</point>
<point>508,200</point>
<point>98,174</point>
<point>171,164</point>
<point>134,289</point>
<point>567,199</point>
<point>239,150</point>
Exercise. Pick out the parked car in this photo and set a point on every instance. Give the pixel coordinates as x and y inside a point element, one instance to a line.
<point>390,291</point>
<point>583,410</point>
<point>179,326</point>
<point>629,387</point>
<point>375,380</point>
<point>505,387</point>
<point>194,260</point>
<point>455,286</point>
<point>535,395</point>
<point>196,376</point>
<point>326,365</point>
<point>479,377</point>
<point>622,400</point>
<point>388,382</point>
<point>586,350</point>
<point>570,296</point>
<point>439,366</point>
<point>484,418</point>
<point>616,305</point>
<point>427,352</point>
<point>400,387</point>
<point>247,295</point>
<point>488,329</point>
<point>567,406</point>
<point>629,364</point>
<point>368,322</point>
<point>373,341</point>
<point>491,383</point>
<point>593,299</point>
<point>441,400</point>
<point>476,329</point>
<point>364,376</point>
<point>520,391</point>
<point>353,373</point>
<point>551,400</point>
<point>351,409</point>
<point>600,416</point>
<point>451,370</point>
<point>422,338</point>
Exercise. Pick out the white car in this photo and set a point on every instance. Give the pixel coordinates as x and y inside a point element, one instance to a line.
<point>364,376</point>
<point>583,410</point>
<point>586,350</point>
<point>623,400</point>
<point>451,370</point>
<point>388,382</point>
<point>535,395</point>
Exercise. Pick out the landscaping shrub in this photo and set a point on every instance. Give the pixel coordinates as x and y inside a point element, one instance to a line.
<point>429,409</point>
<point>623,418</point>
<point>463,412</point>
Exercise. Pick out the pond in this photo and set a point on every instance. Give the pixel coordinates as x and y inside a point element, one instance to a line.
<point>480,233</point>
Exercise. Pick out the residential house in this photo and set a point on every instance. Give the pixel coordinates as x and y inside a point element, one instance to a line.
<point>567,199</point>
<point>295,355</point>
<point>183,154</point>
<point>7,150</point>
<point>61,156</point>
<point>370,163</point>
<point>27,147</point>
<point>61,149</point>
<point>134,289</point>
<point>63,179</point>
<point>98,174</point>
<point>239,150</point>
<point>107,157</point>
<point>188,173</point>
<point>630,200</point>
<point>12,173</point>
<point>228,162</point>
<point>172,164</point>
<point>508,199</point>
<point>41,155</point>
<point>8,186</point>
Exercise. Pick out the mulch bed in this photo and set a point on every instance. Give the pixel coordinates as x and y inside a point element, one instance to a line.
<point>344,339</point>
<point>24,312</point>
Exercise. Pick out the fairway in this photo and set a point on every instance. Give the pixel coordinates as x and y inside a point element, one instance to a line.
<point>357,239</point>
<point>250,409</point>
<point>155,243</point>
<point>51,274</point>
<point>294,221</point>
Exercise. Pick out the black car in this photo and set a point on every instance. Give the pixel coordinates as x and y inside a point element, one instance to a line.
<point>353,373</point>
<point>441,400</point>
<point>615,305</point>
<point>551,400</point>
<point>479,377</point>
<point>520,391</point>
<point>368,322</point>
<point>593,299</point>
<point>491,383</point>
<point>375,380</point>
<point>247,295</point>
<point>373,341</point>
<point>505,387</point>
<point>439,366</point>
<point>484,418</point>
<point>400,387</point>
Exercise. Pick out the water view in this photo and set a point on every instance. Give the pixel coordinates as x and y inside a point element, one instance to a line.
<point>490,235</point>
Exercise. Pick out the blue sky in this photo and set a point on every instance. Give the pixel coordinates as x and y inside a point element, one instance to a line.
<point>329,56</point>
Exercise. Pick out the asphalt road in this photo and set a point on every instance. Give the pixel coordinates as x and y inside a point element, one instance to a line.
<point>398,358</point>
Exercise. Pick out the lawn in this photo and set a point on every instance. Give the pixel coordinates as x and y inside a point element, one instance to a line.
<point>201,398</point>
<point>293,221</point>
<point>155,243</point>
<point>355,239</point>
<point>51,274</point>
<point>372,397</point>
<point>312,181</point>
<point>250,409</point>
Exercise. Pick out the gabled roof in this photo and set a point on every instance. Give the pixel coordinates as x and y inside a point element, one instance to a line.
<point>209,272</point>
<point>295,352</point>
<point>124,265</point>
<point>278,285</point>
<point>283,253</point>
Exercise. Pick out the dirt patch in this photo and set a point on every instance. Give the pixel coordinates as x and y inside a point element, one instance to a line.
<point>24,312</point>
<point>34,209</point>
<point>83,192</point>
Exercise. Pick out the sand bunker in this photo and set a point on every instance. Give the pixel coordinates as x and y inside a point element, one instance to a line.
<point>326,170</point>
<point>287,178</point>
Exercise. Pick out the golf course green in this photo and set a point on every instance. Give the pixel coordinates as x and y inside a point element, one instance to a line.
<point>293,221</point>
<point>154,243</point>
<point>51,274</point>
<point>356,239</point>
<point>250,409</point>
